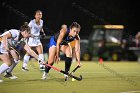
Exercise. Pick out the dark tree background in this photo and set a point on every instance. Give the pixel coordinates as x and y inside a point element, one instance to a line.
<point>13,13</point>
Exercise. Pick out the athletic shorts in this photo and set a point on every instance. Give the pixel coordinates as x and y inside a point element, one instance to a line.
<point>52,42</point>
<point>33,42</point>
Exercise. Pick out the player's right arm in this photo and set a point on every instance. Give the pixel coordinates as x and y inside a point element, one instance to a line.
<point>4,40</point>
<point>59,40</point>
<point>30,25</point>
<point>30,51</point>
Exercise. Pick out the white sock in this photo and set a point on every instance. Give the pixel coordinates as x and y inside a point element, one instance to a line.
<point>3,68</point>
<point>12,66</point>
<point>25,60</point>
<point>41,56</point>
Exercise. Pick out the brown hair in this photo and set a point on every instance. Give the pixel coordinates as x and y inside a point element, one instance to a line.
<point>75,24</point>
<point>25,27</point>
<point>38,11</point>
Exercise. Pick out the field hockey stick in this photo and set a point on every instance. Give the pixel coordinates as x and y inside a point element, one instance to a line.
<point>75,69</point>
<point>70,75</point>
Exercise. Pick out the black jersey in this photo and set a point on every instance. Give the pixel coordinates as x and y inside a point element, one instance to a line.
<point>66,39</point>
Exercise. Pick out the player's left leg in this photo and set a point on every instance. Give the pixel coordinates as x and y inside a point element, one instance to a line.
<point>7,63</point>
<point>68,59</point>
<point>52,53</point>
<point>9,71</point>
<point>26,59</point>
<point>39,49</point>
<point>15,57</point>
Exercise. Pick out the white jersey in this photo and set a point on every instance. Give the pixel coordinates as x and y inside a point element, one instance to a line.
<point>14,33</point>
<point>35,31</point>
<point>12,41</point>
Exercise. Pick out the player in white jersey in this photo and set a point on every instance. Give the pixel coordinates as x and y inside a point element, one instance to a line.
<point>36,26</point>
<point>11,41</point>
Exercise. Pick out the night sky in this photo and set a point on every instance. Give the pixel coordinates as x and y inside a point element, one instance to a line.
<point>86,12</point>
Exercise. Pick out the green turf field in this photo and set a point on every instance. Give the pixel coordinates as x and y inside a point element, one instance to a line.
<point>109,77</point>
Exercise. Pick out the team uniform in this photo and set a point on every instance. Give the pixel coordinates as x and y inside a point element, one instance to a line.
<point>33,41</point>
<point>35,31</point>
<point>13,42</point>
<point>65,41</point>
<point>16,42</point>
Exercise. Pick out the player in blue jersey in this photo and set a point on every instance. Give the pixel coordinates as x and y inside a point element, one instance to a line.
<point>60,42</point>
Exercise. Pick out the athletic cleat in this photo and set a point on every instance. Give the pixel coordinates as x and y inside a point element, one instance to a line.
<point>13,77</point>
<point>8,75</point>
<point>66,77</point>
<point>44,77</point>
<point>25,69</point>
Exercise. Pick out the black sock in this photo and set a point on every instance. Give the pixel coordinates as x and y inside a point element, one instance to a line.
<point>67,63</point>
<point>47,68</point>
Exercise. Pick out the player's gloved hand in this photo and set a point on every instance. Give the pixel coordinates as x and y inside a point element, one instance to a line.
<point>44,35</point>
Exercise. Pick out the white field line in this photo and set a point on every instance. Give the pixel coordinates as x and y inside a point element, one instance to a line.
<point>131,92</point>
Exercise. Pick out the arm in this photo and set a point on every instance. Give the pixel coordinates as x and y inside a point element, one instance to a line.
<point>77,49</point>
<point>31,52</point>
<point>43,32</point>
<point>59,40</point>
<point>4,40</point>
<point>42,29</point>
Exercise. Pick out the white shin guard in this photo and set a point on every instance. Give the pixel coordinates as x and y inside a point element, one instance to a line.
<point>41,56</point>
<point>25,60</point>
<point>3,68</point>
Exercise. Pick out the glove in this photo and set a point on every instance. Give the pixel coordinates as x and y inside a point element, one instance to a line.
<point>44,35</point>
